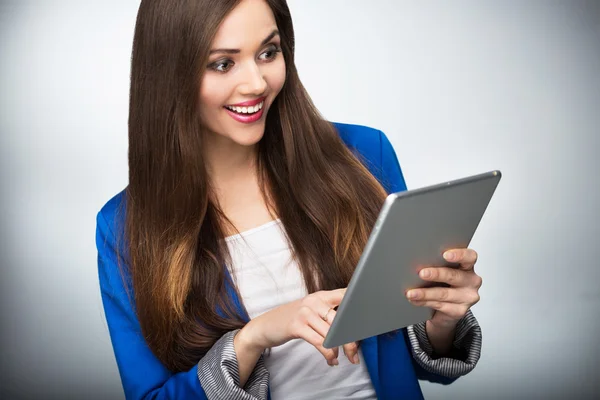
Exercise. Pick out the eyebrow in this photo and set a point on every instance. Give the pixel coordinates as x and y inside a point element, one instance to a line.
<point>236,51</point>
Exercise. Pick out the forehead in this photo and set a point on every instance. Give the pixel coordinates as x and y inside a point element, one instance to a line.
<point>249,22</point>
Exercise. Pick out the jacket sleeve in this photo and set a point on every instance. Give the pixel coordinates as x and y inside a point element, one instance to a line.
<point>143,376</point>
<point>467,342</point>
<point>465,353</point>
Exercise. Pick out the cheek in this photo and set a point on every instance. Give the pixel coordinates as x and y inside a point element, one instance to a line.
<point>213,93</point>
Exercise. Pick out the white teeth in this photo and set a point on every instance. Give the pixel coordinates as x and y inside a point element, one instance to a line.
<point>247,110</point>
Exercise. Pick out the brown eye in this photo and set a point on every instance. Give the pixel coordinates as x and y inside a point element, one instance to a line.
<point>271,53</point>
<point>221,66</point>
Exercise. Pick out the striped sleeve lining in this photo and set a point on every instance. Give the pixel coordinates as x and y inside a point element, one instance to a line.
<point>219,376</point>
<point>467,340</point>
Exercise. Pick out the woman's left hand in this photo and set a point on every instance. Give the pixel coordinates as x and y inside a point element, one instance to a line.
<point>453,302</point>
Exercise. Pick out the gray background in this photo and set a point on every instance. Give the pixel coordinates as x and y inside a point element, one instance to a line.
<point>459,87</point>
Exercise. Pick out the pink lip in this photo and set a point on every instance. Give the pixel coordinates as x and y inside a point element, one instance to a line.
<point>248,103</point>
<point>246,119</point>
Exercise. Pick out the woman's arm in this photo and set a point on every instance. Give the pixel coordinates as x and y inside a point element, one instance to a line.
<point>143,376</point>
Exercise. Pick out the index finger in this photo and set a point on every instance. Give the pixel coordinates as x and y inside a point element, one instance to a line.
<point>333,297</point>
<point>465,257</point>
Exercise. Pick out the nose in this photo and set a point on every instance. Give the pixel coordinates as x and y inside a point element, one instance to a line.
<point>253,81</point>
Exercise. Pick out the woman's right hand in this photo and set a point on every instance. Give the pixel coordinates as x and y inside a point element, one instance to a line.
<point>308,318</point>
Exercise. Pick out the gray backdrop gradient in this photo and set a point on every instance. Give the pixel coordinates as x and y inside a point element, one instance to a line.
<point>459,87</point>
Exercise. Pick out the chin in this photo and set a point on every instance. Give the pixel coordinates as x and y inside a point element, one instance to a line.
<point>248,136</point>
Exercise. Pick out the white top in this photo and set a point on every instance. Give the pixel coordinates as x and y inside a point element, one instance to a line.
<point>267,277</point>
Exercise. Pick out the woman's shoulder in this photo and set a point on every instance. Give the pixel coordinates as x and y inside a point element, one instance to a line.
<point>376,151</point>
<point>371,143</point>
<point>359,137</point>
<point>364,140</point>
<point>112,213</point>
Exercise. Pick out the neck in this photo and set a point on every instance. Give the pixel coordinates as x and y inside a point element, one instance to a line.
<point>229,162</point>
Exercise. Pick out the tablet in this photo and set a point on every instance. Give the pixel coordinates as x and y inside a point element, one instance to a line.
<point>413,230</point>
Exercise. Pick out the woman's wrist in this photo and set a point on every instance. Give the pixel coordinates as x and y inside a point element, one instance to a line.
<point>441,336</point>
<point>246,340</point>
<point>247,352</point>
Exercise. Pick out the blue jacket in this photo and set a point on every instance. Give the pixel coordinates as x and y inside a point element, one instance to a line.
<point>388,358</point>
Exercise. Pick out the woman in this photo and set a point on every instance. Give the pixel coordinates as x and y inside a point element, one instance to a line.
<point>245,214</point>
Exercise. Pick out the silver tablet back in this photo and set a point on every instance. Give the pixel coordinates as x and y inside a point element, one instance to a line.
<point>413,230</point>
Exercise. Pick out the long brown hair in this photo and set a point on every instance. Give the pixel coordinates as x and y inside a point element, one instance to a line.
<point>326,199</point>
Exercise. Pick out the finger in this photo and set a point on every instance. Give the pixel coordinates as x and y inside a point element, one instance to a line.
<point>322,301</point>
<point>319,306</point>
<point>326,324</point>
<point>325,312</point>
<point>465,257</point>
<point>477,281</point>
<point>314,338</point>
<point>454,311</point>
<point>351,352</point>
<point>466,296</point>
<point>318,324</point>
<point>450,295</point>
<point>333,297</point>
<point>452,276</point>
<point>321,327</point>
<point>330,315</point>
<point>336,352</point>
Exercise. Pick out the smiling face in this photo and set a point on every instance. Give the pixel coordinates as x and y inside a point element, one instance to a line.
<point>245,73</point>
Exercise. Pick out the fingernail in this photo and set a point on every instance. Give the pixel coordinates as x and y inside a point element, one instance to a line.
<point>355,359</point>
<point>449,256</point>
<point>425,273</point>
<point>412,294</point>
<point>335,362</point>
